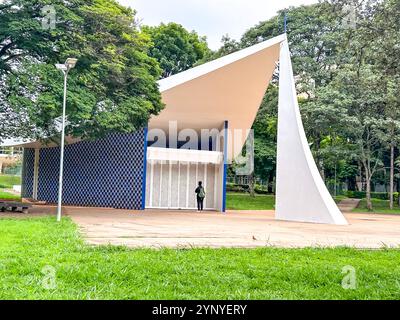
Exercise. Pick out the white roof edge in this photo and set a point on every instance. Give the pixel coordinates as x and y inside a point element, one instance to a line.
<point>184,155</point>
<point>196,72</point>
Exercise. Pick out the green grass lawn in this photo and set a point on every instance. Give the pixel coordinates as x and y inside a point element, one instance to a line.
<point>7,181</point>
<point>241,201</point>
<point>31,249</point>
<point>9,196</point>
<point>379,206</point>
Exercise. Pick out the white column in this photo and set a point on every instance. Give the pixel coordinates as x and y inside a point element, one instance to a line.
<point>170,185</point>
<point>179,183</point>
<point>187,184</point>
<point>215,186</point>
<point>151,183</point>
<point>205,183</point>
<point>161,181</point>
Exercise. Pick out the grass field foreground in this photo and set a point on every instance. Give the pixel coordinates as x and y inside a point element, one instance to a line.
<point>42,259</point>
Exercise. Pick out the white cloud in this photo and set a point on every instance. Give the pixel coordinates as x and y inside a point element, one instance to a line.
<point>212,18</point>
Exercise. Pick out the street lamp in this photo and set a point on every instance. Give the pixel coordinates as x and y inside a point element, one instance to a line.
<point>65,68</point>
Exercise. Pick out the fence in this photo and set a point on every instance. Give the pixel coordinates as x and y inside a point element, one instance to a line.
<point>245,180</point>
<point>15,170</point>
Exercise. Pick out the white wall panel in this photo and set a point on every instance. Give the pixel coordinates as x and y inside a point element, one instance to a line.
<point>164,185</point>
<point>192,186</point>
<point>156,185</point>
<point>174,186</point>
<point>209,202</point>
<point>177,182</point>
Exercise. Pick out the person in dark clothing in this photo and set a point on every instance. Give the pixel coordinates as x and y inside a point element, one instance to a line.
<point>201,194</point>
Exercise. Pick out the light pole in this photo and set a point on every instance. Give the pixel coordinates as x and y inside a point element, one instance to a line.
<point>65,68</point>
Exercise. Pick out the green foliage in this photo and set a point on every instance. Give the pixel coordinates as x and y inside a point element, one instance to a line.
<point>113,87</point>
<point>265,135</point>
<point>233,187</point>
<point>347,81</point>
<point>312,39</point>
<point>229,46</point>
<point>175,48</point>
<point>374,195</point>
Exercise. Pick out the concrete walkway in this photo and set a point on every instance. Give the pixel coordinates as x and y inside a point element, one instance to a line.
<point>348,205</point>
<point>235,229</point>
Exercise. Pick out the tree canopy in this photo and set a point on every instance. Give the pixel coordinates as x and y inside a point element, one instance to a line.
<point>113,87</point>
<point>345,59</point>
<point>175,48</point>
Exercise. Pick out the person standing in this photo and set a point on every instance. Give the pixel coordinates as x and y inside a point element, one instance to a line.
<point>201,194</point>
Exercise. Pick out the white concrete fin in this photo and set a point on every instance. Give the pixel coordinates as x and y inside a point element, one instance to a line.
<point>301,194</point>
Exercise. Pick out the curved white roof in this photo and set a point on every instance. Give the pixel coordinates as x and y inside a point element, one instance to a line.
<point>230,88</point>
<point>196,72</point>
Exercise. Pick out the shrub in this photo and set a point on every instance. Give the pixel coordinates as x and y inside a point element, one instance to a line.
<point>374,195</point>
<point>244,188</point>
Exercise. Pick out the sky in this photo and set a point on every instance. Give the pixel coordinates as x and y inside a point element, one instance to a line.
<point>211,18</point>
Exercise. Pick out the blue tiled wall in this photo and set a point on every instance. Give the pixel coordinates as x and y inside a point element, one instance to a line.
<point>27,173</point>
<point>107,173</point>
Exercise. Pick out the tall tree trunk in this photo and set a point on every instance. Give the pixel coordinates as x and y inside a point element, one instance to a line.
<point>252,185</point>
<point>335,192</point>
<point>369,202</point>
<point>270,183</point>
<point>391,175</point>
<point>360,186</point>
<point>368,185</point>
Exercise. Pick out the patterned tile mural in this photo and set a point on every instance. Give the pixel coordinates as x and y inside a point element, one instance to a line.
<point>108,172</point>
<point>27,173</point>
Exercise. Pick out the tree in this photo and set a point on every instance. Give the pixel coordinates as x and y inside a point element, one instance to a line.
<point>362,96</point>
<point>326,120</point>
<point>392,112</point>
<point>229,46</point>
<point>375,71</point>
<point>112,89</point>
<point>265,137</point>
<point>312,31</point>
<point>175,48</point>
<point>385,32</point>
